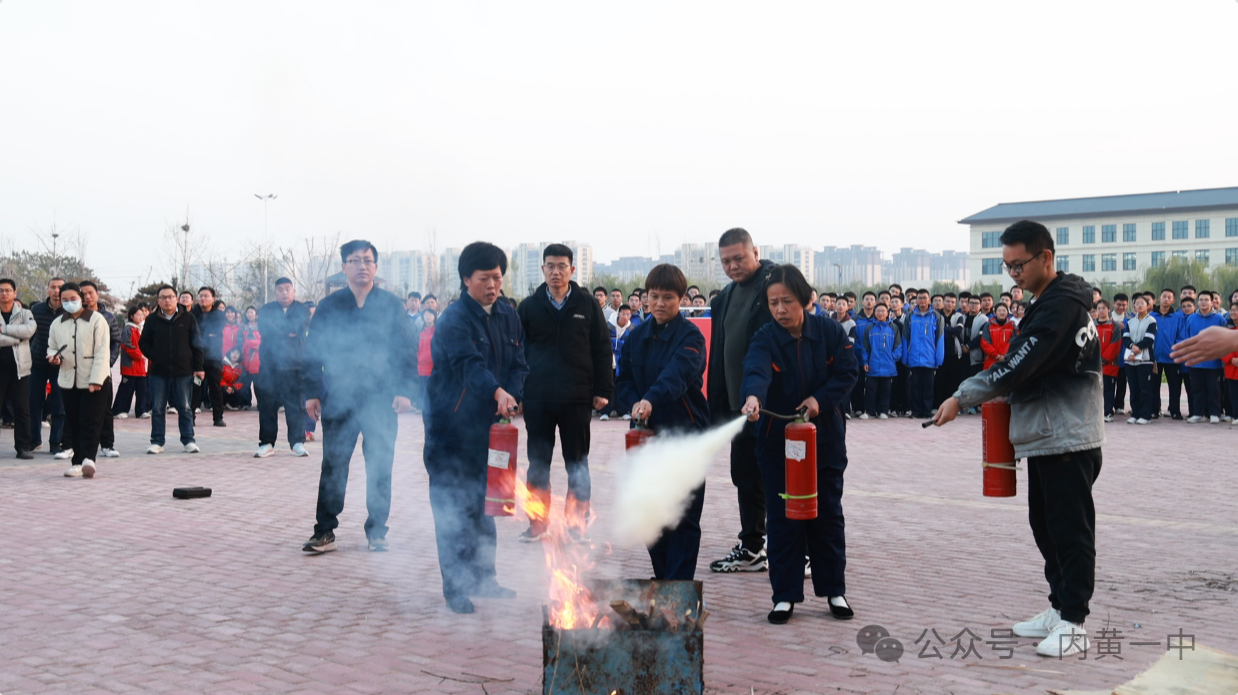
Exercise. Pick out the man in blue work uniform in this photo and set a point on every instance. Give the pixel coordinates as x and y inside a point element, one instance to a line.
<point>479,372</point>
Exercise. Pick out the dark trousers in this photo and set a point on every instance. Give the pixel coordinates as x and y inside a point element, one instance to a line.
<point>898,390</point>
<point>132,391</point>
<point>1231,386</point>
<point>1119,394</point>
<point>1207,386</point>
<point>822,539</point>
<point>1191,406</point>
<point>172,391</point>
<point>1110,385</point>
<point>281,388</point>
<point>746,476</point>
<point>857,394</point>
<point>1063,520</point>
<point>210,388</point>
<point>1173,377</point>
<point>39,377</point>
<point>376,422</point>
<point>920,391</point>
<point>877,395</point>
<point>107,434</point>
<point>675,552</point>
<point>572,420</point>
<point>465,536</point>
<point>84,414</point>
<point>1140,376</point>
<point>17,392</point>
<point>946,381</point>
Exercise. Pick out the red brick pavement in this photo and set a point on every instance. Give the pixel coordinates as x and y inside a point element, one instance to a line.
<point>111,586</point>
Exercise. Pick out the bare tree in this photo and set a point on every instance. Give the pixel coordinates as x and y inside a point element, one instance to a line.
<point>309,265</point>
<point>434,278</point>
<point>182,248</point>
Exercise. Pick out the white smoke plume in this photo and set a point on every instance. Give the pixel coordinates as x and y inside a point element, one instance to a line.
<point>660,477</point>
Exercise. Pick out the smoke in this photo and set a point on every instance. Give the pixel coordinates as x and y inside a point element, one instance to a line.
<point>660,478</point>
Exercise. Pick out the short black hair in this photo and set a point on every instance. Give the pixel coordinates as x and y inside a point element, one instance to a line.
<point>935,296</point>
<point>481,255</point>
<point>1121,296</point>
<point>624,306</point>
<point>986,294</point>
<point>951,295</point>
<point>1100,302</point>
<point>1034,236</point>
<point>558,250</point>
<point>10,282</point>
<point>130,311</point>
<point>413,295</point>
<point>849,294</point>
<point>870,294</point>
<point>354,246</point>
<point>428,297</point>
<point>666,276</point>
<point>183,292</point>
<point>165,287</point>
<point>282,281</point>
<point>599,289</point>
<point>1188,299</point>
<point>964,294</point>
<point>87,283</point>
<point>973,298</point>
<point>614,290</point>
<point>208,289</point>
<point>900,287</point>
<point>73,286</point>
<point>737,235</point>
<point>790,275</point>
<point>1007,294</point>
<point>1188,287</point>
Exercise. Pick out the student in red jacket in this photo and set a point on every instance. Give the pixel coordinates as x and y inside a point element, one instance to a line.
<point>132,368</point>
<point>250,341</point>
<point>1230,364</point>
<point>1109,333</point>
<point>996,335</point>
<point>425,361</point>
<point>231,382</point>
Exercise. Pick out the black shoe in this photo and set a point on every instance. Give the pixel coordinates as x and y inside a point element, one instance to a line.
<point>323,543</point>
<point>1177,416</point>
<point>25,455</point>
<point>490,589</point>
<point>220,423</point>
<point>843,612</point>
<point>459,604</point>
<point>778,617</point>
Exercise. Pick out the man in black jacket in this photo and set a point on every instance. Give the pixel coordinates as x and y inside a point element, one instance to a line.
<point>358,373</point>
<point>42,373</point>
<point>567,345</point>
<point>283,324</point>
<point>171,342</point>
<point>211,323</point>
<point>737,312</point>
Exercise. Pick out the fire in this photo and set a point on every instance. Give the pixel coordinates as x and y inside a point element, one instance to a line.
<point>568,558</point>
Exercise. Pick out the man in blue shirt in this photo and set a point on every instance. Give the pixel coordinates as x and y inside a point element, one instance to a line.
<point>1205,376</point>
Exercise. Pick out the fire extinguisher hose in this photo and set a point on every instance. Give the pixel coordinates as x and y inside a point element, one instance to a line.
<point>1003,466</point>
<point>801,414</point>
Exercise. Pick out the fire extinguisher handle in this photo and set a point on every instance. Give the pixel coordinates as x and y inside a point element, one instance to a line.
<point>928,423</point>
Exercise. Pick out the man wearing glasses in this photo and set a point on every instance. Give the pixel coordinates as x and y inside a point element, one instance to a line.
<point>1052,376</point>
<point>359,373</point>
<point>567,345</point>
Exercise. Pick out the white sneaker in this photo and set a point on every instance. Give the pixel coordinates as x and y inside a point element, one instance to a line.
<point>1040,626</point>
<point>73,472</point>
<point>144,416</point>
<point>1194,419</point>
<point>1108,418</point>
<point>1065,639</point>
<point>264,451</point>
<point>604,417</point>
<point>883,416</point>
<point>1141,421</point>
<point>1214,420</point>
<point>170,409</point>
<point>807,568</point>
<point>863,416</point>
<point>298,450</point>
<point>192,448</point>
<point>123,416</point>
<point>1132,421</point>
<point>47,425</point>
<point>63,455</point>
<point>627,416</point>
<point>154,449</point>
<point>109,453</point>
<point>88,468</point>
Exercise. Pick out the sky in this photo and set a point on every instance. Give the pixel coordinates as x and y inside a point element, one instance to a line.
<point>634,127</point>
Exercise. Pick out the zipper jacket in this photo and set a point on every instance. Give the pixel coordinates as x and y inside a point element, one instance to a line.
<point>995,340</point>
<point>1195,324</point>
<point>926,345</point>
<point>1142,333</point>
<point>883,347</point>
<point>1170,329</point>
<point>1110,345</point>
<point>668,370</point>
<point>84,360</point>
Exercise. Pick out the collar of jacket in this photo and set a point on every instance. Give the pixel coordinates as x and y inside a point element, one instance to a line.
<point>84,316</point>
<point>542,294</point>
<point>474,307</point>
<point>671,330</point>
<point>810,331</point>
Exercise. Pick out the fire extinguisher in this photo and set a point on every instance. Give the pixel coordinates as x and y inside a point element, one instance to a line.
<point>638,435</point>
<point>997,453</point>
<point>501,469</point>
<point>801,469</point>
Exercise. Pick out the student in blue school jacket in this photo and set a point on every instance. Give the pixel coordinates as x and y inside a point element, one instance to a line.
<point>661,374</point>
<point>799,361</point>
<point>478,377</point>
<point>883,348</point>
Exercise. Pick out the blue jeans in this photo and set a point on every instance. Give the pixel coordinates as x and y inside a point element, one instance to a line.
<point>39,378</point>
<point>177,392</point>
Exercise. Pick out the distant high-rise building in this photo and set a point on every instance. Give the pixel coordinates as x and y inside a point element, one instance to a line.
<point>835,266</point>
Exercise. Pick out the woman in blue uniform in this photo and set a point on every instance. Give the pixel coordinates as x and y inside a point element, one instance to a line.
<point>801,361</point>
<point>661,372</point>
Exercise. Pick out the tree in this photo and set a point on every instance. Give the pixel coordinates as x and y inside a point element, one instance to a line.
<point>309,266</point>
<point>183,248</point>
<point>32,270</point>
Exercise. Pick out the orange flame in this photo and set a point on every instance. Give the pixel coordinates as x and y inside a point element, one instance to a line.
<point>571,605</point>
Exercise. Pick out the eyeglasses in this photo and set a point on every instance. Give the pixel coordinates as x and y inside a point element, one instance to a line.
<point>1017,268</point>
<point>358,262</point>
<point>560,267</point>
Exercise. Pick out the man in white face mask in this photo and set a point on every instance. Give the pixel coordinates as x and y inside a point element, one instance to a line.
<point>78,344</point>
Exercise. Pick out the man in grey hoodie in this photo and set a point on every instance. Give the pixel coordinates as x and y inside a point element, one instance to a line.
<point>1052,376</point>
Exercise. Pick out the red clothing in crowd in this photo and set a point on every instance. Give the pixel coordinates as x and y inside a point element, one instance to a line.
<point>425,361</point>
<point>1231,372</point>
<point>230,340</point>
<point>1110,346</point>
<point>129,345</point>
<point>232,376</point>
<point>996,341</point>
<point>250,342</point>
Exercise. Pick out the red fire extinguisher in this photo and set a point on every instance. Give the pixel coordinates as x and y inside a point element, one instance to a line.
<point>638,435</point>
<point>501,469</point>
<point>801,455</point>
<point>998,452</point>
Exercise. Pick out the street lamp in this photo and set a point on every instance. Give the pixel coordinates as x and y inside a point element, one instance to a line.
<point>265,199</point>
<point>840,274</point>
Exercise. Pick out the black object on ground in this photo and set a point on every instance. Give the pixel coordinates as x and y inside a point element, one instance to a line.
<point>186,493</point>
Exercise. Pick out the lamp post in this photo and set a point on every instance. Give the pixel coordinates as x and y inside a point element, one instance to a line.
<point>265,199</point>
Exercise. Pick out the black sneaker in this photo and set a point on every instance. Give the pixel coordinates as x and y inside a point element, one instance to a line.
<point>532,535</point>
<point>323,543</point>
<point>220,423</point>
<point>741,560</point>
<point>1176,416</point>
<point>25,455</point>
<point>842,612</point>
<point>781,616</point>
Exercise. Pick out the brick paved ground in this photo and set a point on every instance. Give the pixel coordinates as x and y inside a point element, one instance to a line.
<point>111,586</point>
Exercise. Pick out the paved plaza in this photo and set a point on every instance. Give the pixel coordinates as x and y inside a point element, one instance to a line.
<point>112,586</point>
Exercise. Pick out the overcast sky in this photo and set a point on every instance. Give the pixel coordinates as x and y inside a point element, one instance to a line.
<point>625,125</point>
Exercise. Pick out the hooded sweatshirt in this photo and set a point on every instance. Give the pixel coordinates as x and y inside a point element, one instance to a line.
<point>1052,375</point>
